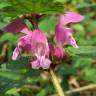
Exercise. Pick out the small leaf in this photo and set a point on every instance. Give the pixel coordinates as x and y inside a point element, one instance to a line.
<point>12,91</point>
<point>48,23</point>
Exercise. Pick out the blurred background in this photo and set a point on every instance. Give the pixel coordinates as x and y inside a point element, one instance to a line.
<point>18,79</point>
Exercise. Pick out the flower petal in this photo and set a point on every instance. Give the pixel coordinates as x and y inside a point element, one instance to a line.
<point>16,53</point>
<point>40,43</point>
<point>35,64</point>
<point>35,43</point>
<point>72,42</point>
<point>41,62</point>
<point>70,17</point>
<point>44,62</point>
<point>40,35</point>
<point>25,43</point>
<point>62,34</point>
<point>16,26</point>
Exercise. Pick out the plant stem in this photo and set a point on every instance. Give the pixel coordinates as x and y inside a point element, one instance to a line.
<point>33,19</point>
<point>82,89</point>
<point>56,83</point>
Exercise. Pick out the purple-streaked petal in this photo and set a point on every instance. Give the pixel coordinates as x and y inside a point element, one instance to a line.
<point>72,42</point>
<point>16,53</point>
<point>70,17</point>
<point>35,43</point>
<point>62,33</point>
<point>44,62</point>
<point>40,42</point>
<point>41,62</point>
<point>16,26</point>
<point>25,43</point>
<point>35,64</point>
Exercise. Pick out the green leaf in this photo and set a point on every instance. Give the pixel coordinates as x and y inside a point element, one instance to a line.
<point>48,23</point>
<point>90,74</point>
<point>19,7</point>
<point>17,74</point>
<point>84,51</point>
<point>42,93</point>
<point>10,74</point>
<point>12,91</point>
<point>3,4</point>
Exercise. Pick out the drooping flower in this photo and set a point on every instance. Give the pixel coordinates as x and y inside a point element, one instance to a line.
<point>40,49</point>
<point>33,42</point>
<point>36,44</point>
<point>63,33</point>
<point>64,36</point>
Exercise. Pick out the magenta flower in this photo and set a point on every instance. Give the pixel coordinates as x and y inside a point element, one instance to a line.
<point>33,42</point>
<point>36,44</point>
<point>64,34</point>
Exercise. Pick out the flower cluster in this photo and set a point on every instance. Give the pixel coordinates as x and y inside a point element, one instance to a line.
<point>35,42</point>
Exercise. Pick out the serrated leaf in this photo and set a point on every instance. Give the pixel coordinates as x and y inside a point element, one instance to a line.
<point>17,74</point>
<point>10,74</point>
<point>83,51</point>
<point>19,7</point>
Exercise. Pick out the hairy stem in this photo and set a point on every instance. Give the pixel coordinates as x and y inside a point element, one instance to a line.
<point>56,83</point>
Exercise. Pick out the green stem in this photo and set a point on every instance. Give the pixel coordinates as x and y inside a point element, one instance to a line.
<point>56,83</point>
<point>34,21</point>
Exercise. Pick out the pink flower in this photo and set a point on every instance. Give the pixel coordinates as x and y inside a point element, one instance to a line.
<point>33,42</point>
<point>64,34</point>
<point>36,44</point>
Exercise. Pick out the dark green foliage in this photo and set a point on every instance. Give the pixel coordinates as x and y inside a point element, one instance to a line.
<point>19,7</point>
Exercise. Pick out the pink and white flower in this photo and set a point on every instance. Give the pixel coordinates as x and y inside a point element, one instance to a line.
<point>63,33</point>
<point>33,42</point>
